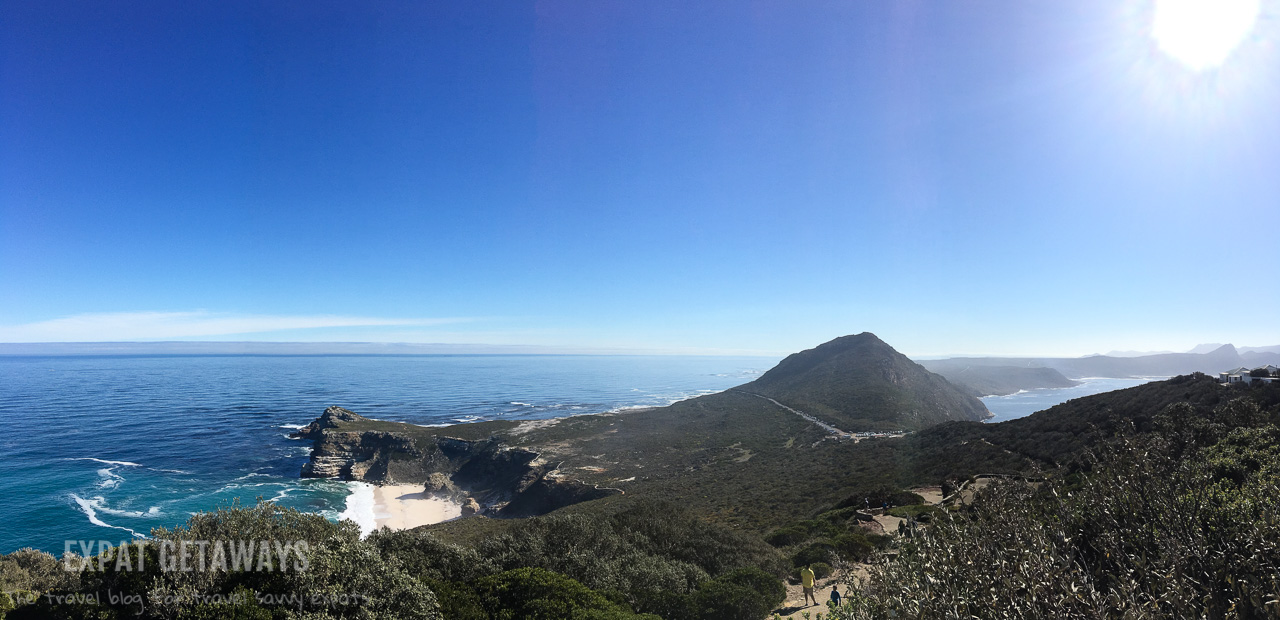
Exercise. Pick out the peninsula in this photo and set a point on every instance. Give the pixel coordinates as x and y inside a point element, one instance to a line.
<point>819,427</point>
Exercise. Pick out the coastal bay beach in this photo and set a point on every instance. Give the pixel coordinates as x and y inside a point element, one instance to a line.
<point>396,507</point>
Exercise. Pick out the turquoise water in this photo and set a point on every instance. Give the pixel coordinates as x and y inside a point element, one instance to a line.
<point>105,448</point>
<point>1028,402</point>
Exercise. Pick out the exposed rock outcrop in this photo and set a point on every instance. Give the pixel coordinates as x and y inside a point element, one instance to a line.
<point>486,476</point>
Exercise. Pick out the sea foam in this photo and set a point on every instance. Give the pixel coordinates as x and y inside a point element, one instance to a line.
<point>104,461</point>
<point>90,508</point>
<point>360,506</point>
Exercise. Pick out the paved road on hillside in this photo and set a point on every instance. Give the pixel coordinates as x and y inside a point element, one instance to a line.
<point>827,427</point>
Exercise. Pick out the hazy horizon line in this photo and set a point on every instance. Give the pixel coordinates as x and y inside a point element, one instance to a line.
<point>355,348</point>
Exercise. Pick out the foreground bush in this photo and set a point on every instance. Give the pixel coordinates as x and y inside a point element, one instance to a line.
<point>1182,523</point>
<point>538,594</point>
<point>344,576</point>
<point>652,556</point>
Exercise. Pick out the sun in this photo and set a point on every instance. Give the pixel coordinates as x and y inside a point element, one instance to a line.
<point>1201,34</point>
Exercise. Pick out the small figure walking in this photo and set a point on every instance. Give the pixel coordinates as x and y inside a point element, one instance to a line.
<point>835,596</point>
<point>806,582</point>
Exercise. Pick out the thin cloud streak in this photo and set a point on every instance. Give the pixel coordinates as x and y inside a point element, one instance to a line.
<point>132,326</point>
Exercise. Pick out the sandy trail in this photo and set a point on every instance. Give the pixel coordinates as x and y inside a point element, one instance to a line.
<point>822,590</point>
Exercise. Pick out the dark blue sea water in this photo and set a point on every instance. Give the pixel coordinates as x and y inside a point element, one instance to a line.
<point>102,448</point>
<point>1028,402</point>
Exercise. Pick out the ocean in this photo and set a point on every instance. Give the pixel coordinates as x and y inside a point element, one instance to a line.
<point>1027,402</point>
<point>108,447</point>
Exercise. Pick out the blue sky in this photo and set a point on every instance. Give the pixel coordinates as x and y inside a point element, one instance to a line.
<point>995,177</point>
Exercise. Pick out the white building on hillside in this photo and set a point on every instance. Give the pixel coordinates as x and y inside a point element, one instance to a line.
<point>1245,375</point>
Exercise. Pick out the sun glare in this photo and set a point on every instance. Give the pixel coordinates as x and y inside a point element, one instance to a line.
<point>1202,33</point>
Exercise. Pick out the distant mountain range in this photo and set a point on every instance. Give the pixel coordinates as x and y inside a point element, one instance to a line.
<point>1200,348</point>
<point>1223,357</point>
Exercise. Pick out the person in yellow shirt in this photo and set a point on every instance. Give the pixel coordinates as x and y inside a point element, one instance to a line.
<point>806,582</point>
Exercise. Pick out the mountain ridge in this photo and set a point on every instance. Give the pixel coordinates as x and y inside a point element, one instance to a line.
<point>1212,362</point>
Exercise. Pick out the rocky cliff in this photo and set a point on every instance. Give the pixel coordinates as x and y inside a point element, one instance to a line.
<point>501,480</point>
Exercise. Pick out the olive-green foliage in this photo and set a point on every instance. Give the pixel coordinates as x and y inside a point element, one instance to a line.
<point>1061,434</point>
<point>344,577</point>
<point>424,555</point>
<point>815,552</point>
<point>787,536</point>
<point>458,601</point>
<point>36,571</point>
<point>1182,522</point>
<point>538,594</point>
<point>853,546</point>
<point>651,556</point>
<point>821,570</point>
<point>242,605</point>
<point>742,593</point>
<point>831,537</point>
<point>649,547</point>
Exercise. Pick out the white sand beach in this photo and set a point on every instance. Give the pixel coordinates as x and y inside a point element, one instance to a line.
<point>397,507</point>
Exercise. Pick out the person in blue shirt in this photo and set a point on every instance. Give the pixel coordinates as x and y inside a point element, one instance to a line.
<point>835,596</point>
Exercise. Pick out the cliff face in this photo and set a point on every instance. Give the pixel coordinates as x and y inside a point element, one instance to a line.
<point>505,481</point>
<point>344,448</point>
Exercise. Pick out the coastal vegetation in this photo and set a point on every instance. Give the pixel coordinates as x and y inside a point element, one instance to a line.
<point>1179,522</point>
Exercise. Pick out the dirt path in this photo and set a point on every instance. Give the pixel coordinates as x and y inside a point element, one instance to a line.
<point>931,495</point>
<point>822,590</point>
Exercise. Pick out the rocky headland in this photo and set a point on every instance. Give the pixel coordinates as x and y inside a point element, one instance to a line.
<point>483,475</point>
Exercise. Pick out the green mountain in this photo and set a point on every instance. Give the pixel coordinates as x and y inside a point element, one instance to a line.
<point>859,383</point>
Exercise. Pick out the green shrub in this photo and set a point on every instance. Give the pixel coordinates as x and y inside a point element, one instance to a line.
<point>821,570</point>
<point>1183,522</point>
<point>787,536</point>
<point>28,569</point>
<point>538,594</point>
<point>815,552</point>
<point>339,563</point>
<point>852,546</point>
<point>458,601</point>
<point>762,583</point>
<point>723,600</point>
<point>424,555</point>
<point>665,603</point>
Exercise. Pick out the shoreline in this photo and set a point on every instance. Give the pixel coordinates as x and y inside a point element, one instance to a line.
<point>395,507</point>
